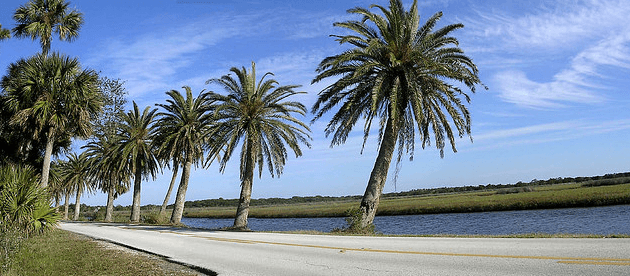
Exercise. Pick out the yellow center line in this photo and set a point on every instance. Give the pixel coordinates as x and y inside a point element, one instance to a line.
<point>564,260</point>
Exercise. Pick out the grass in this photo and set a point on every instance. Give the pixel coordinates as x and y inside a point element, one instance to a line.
<point>60,252</point>
<point>539,197</point>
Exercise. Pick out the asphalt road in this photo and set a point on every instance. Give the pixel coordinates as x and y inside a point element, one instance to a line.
<point>252,253</point>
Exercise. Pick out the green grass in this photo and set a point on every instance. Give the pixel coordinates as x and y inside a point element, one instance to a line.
<point>539,197</point>
<point>59,252</point>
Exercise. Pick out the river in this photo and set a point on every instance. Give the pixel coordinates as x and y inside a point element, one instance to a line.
<point>593,220</point>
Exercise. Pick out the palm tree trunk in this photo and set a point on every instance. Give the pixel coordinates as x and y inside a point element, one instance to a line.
<point>180,198</point>
<point>135,207</point>
<point>170,189</point>
<point>242,212</point>
<point>378,177</point>
<point>66,206</point>
<point>77,206</point>
<point>110,204</point>
<point>50,141</point>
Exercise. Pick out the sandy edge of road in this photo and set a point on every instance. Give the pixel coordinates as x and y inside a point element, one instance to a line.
<point>168,265</point>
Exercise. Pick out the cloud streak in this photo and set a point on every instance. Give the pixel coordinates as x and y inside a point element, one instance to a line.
<point>592,35</point>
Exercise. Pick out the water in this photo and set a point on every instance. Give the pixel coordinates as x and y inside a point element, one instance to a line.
<point>594,220</point>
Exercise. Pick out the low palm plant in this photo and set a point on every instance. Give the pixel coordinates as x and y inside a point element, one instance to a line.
<point>23,204</point>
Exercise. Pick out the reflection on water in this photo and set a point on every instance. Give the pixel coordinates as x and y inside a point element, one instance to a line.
<point>594,220</point>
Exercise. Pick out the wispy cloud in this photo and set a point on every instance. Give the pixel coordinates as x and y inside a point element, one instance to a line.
<point>592,35</point>
<point>161,59</point>
<point>541,133</point>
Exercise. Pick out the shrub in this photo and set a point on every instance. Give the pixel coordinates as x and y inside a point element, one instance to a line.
<point>353,221</point>
<point>25,209</point>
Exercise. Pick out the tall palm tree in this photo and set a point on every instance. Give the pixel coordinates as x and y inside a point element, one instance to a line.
<point>256,113</point>
<point>400,73</point>
<point>75,172</point>
<point>105,169</point>
<point>40,18</point>
<point>53,95</point>
<point>183,129</point>
<point>134,144</point>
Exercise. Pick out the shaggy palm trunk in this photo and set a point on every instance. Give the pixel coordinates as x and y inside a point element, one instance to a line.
<point>378,177</point>
<point>170,189</point>
<point>110,204</point>
<point>66,206</point>
<point>242,212</point>
<point>77,206</point>
<point>135,207</point>
<point>50,141</point>
<point>180,199</point>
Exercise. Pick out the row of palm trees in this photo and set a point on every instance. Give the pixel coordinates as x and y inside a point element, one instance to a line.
<point>395,70</point>
<point>255,114</point>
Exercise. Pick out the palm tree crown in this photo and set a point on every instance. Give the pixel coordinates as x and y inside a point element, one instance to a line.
<point>4,33</point>
<point>256,113</point>
<point>40,18</point>
<point>401,74</point>
<point>52,97</point>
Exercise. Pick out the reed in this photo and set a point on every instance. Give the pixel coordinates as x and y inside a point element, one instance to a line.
<point>539,197</point>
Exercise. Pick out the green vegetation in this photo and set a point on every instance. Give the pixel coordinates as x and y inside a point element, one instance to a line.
<point>539,197</point>
<point>24,210</point>
<point>63,253</point>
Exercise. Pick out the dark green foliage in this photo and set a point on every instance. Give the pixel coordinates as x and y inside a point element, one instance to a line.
<point>23,204</point>
<point>41,18</point>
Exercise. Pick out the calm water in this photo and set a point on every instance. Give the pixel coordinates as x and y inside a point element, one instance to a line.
<point>594,220</point>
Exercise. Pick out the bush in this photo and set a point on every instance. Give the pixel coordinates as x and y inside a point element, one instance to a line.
<point>155,218</point>
<point>353,221</point>
<point>25,209</point>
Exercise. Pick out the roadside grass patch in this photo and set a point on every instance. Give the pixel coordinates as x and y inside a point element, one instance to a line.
<point>59,252</point>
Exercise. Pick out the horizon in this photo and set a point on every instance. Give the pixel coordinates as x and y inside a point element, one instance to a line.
<point>557,104</point>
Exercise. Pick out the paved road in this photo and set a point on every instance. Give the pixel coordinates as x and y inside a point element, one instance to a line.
<point>251,253</point>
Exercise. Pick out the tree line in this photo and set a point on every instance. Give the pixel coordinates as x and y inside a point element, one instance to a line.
<point>395,71</point>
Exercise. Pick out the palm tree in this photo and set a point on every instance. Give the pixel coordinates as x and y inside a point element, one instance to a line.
<point>53,95</point>
<point>75,172</point>
<point>134,144</point>
<point>256,113</point>
<point>4,33</point>
<point>401,74</point>
<point>183,129</point>
<point>40,18</point>
<point>105,160</point>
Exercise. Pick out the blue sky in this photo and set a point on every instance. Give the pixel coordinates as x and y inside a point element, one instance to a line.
<point>557,72</point>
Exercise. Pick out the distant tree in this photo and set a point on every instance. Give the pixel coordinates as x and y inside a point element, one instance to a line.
<point>54,97</point>
<point>106,170</point>
<point>401,74</point>
<point>40,18</point>
<point>4,33</point>
<point>75,172</point>
<point>183,129</point>
<point>256,112</point>
<point>114,101</point>
<point>104,158</point>
<point>134,144</point>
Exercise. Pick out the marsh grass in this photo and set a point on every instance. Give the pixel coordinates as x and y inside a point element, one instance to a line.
<point>541,197</point>
<point>59,252</point>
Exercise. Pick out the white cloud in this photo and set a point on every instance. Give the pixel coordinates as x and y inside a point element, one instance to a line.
<point>154,61</point>
<point>592,35</point>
